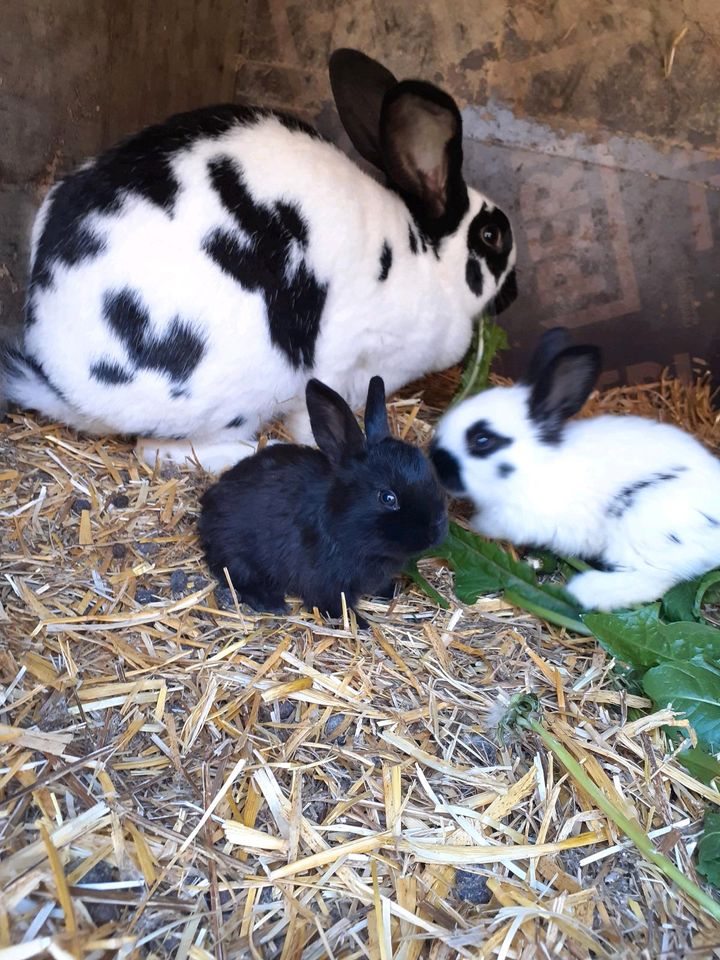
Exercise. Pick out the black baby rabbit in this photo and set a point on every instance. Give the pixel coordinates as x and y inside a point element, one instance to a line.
<point>318,523</point>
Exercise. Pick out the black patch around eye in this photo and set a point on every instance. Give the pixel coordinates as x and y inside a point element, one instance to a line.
<point>386,258</point>
<point>473,276</point>
<point>107,371</point>
<point>495,259</point>
<point>481,441</point>
<point>505,469</point>
<point>235,422</point>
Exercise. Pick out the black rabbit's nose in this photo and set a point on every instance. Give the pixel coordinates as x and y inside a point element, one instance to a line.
<point>447,467</point>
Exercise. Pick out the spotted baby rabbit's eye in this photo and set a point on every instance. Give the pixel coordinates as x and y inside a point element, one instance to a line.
<point>482,441</point>
<point>388,499</point>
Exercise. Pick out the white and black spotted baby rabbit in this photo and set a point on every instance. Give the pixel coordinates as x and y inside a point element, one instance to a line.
<point>315,523</point>
<point>640,497</point>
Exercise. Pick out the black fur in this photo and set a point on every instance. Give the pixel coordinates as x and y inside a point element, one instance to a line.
<point>473,276</point>
<point>560,387</point>
<point>235,422</point>
<point>506,295</point>
<point>386,258</point>
<point>313,523</point>
<point>504,470</point>
<point>176,353</point>
<point>482,441</point>
<point>490,238</point>
<point>107,371</point>
<point>674,538</point>
<point>625,498</point>
<point>413,239</point>
<point>447,469</point>
<point>17,363</point>
<point>711,520</point>
<point>294,302</point>
<point>139,165</point>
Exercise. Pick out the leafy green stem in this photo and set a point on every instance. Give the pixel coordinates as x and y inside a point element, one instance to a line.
<point>632,830</point>
<point>559,619</point>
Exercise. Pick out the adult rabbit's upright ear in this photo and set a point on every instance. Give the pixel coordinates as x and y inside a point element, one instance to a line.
<point>359,85</point>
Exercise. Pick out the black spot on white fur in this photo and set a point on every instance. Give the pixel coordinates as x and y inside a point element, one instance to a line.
<point>413,239</point>
<point>235,422</point>
<point>447,469</point>
<point>19,364</point>
<point>473,276</point>
<point>267,255</point>
<point>482,441</point>
<point>711,520</point>
<point>625,498</point>
<point>107,371</point>
<point>674,538</point>
<point>141,166</point>
<point>506,295</point>
<point>505,469</point>
<point>386,258</point>
<point>175,353</point>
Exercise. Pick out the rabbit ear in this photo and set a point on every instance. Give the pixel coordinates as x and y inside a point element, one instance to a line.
<point>359,85</point>
<point>551,343</point>
<point>562,388</point>
<point>376,419</point>
<point>333,423</point>
<point>421,138</point>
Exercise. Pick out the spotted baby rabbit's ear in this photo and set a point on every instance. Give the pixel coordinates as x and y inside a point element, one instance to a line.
<point>551,343</point>
<point>562,387</point>
<point>336,431</point>
<point>376,418</point>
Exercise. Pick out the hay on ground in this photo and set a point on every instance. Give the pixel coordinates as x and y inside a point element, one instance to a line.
<point>182,778</point>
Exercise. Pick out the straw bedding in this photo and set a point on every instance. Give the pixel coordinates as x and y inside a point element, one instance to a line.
<point>181,778</point>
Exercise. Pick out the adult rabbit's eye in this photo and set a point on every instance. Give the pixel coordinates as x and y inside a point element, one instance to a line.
<point>491,236</point>
<point>388,499</point>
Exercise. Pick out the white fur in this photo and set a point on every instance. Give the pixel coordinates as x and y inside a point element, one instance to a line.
<point>418,320</point>
<point>561,496</point>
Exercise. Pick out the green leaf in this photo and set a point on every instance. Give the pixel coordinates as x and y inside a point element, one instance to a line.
<point>702,765</point>
<point>709,848</point>
<point>410,570</point>
<point>482,567</point>
<point>692,688</point>
<point>488,340</point>
<point>640,638</point>
<point>684,601</point>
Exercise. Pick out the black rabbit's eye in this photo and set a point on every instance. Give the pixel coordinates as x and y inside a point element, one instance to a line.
<point>388,499</point>
<point>491,236</point>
